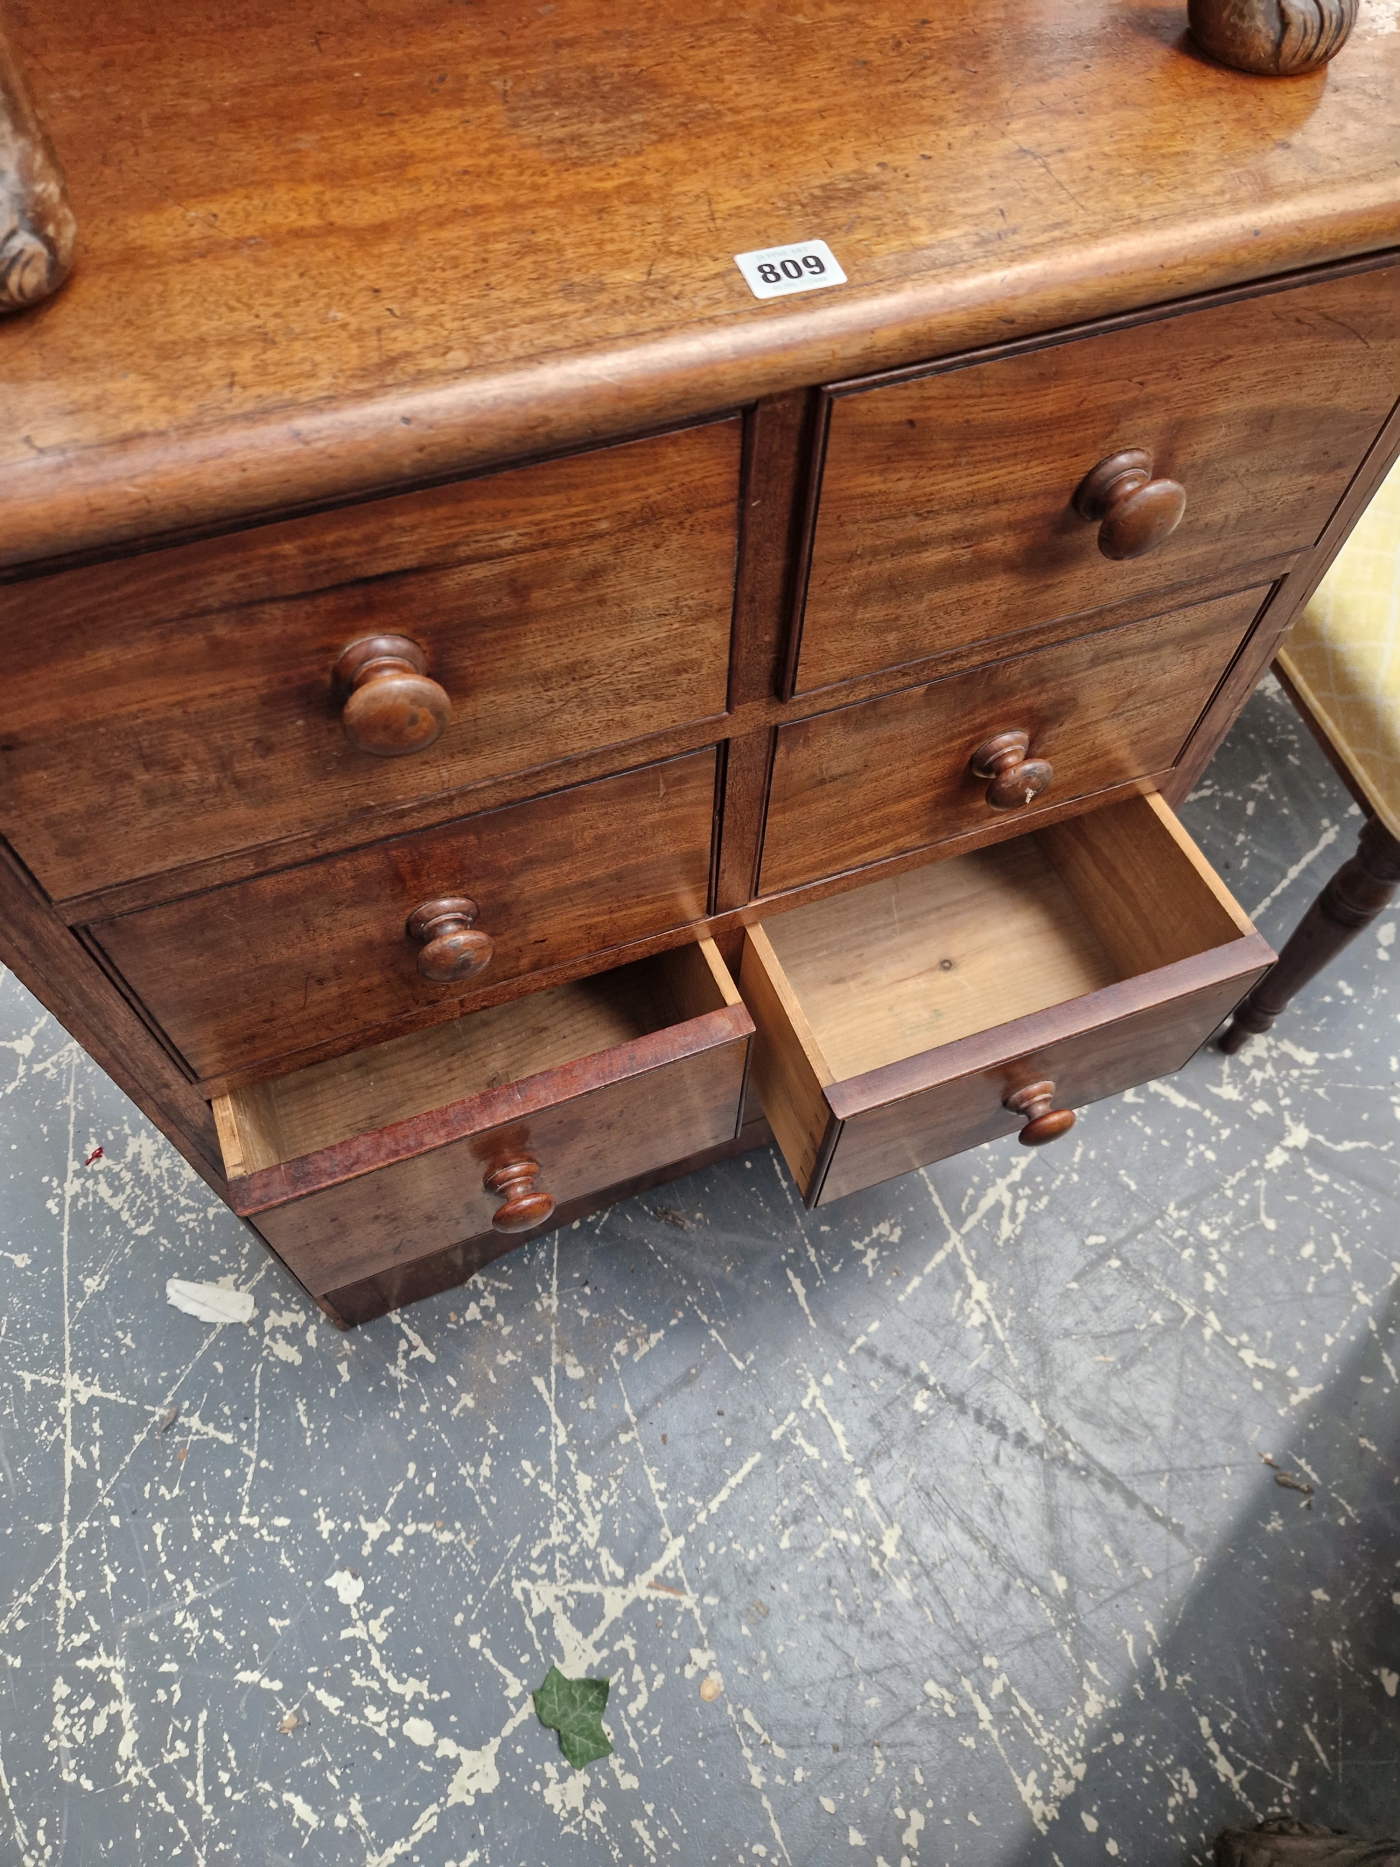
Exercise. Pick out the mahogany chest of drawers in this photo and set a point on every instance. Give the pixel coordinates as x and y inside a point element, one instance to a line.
<point>496,715</point>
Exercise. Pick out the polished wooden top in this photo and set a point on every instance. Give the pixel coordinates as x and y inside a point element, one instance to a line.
<point>330,247</point>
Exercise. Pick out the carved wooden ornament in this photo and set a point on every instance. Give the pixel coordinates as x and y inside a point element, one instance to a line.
<point>1279,38</point>
<point>37,229</point>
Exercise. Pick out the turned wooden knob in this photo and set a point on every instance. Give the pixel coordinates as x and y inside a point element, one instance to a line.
<point>453,948</point>
<point>1134,512</point>
<point>1015,778</point>
<point>393,706</point>
<point>523,1209</point>
<point>1044,1122</point>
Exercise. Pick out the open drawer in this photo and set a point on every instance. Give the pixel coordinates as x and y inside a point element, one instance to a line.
<point>473,1132</point>
<point>931,1011</point>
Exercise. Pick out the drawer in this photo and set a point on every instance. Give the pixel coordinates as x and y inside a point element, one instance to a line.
<point>946,513</point>
<point>893,775</point>
<point>474,1131</point>
<point>239,976</point>
<point>184,704</point>
<point>998,990</point>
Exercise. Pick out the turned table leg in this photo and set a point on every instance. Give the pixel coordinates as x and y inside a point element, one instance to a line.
<point>1350,901</point>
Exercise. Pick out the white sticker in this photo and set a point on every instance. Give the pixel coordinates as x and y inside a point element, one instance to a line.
<point>805,266</point>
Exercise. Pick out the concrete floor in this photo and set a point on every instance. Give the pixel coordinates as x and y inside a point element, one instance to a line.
<point>957,1489</point>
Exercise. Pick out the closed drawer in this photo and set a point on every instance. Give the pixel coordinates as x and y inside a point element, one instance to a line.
<point>183,704</point>
<point>946,512</point>
<point>237,977</point>
<point>892,775</point>
<point>475,1130</point>
<point>929,1012</point>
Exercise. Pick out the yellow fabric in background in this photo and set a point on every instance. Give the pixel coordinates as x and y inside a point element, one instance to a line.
<point>1343,653</point>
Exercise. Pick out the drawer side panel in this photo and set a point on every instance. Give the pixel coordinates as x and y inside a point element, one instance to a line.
<point>787,1080</point>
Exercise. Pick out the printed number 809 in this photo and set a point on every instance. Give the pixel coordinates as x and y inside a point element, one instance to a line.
<point>774,274</point>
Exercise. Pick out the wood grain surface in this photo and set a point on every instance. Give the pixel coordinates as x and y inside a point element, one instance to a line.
<point>748,760</point>
<point>180,704</point>
<point>265,968</point>
<point>925,958</point>
<point>778,437</point>
<point>946,515</point>
<point>869,781</point>
<point>329,249</point>
<point>1143,886</point>
<point>335,260</point>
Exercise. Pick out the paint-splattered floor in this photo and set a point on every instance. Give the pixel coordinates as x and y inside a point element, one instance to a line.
<point>958,1489</point>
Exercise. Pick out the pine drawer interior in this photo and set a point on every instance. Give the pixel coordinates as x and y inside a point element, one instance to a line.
<point>896,1023</point>
<point>286,1117</point>
<point>938,953</point>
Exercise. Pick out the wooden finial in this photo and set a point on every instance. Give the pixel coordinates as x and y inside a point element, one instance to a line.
<point>1277,38</point>
<point>37,229</point>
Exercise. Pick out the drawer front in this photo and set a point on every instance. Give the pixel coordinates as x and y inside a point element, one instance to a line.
<point>375,1162</point>
<point>945,514</point>
<point>893,775</point>
<point>182,704</point>
<point>242,975</point>
<point>1094,955</point>
<point>412,1208</point>
<point>1121,1045</point>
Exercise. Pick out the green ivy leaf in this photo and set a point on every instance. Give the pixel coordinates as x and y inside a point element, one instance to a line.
<point>574,1708</point>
